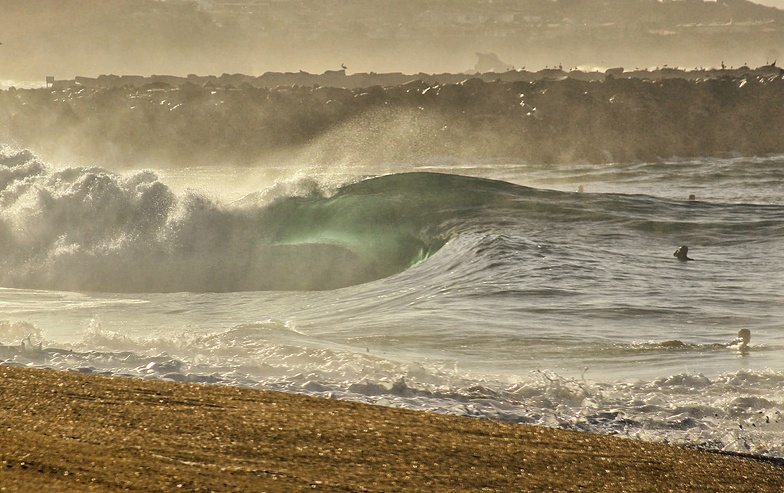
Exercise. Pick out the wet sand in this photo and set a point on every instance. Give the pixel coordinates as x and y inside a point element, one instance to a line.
<point>70,432</point>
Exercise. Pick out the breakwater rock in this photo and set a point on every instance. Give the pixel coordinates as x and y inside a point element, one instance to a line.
<point>554,117</point>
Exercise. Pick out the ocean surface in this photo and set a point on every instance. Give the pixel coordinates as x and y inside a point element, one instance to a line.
<point>495,290</point>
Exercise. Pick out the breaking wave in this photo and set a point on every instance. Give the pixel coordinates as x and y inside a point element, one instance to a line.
<point>89,229</point>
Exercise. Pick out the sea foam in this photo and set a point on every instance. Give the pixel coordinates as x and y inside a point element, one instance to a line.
<point>737,412</point>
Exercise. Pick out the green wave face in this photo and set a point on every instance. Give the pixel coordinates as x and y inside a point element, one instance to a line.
<point>374,228</point>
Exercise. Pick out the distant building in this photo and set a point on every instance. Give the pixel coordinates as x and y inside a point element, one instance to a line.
<point>489,62</point>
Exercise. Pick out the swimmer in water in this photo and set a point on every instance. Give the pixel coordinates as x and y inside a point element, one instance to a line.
<point>742,341</point>
<point>682,254</point>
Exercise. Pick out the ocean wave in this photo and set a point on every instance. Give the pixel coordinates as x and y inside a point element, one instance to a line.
<point>89,229</point>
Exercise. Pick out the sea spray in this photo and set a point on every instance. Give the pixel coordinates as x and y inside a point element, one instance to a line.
<point>91,229</point>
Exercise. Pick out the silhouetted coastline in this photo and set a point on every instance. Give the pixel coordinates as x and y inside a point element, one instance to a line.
<point>340,78</point>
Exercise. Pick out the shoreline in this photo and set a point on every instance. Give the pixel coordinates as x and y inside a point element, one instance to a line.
<point>67,431</point>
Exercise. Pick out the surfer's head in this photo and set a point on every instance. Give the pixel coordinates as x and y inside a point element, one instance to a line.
<point>682,253</point>
<point>742,341</point>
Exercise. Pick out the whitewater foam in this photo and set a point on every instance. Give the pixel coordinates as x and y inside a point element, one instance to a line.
<point>735,412</point>
<point>90,229</point>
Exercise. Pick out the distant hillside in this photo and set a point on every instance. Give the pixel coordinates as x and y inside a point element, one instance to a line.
<point>658,13</point>
<point>92,37</point>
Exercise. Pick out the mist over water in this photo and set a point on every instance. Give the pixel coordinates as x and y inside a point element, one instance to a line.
<point>525,118</point>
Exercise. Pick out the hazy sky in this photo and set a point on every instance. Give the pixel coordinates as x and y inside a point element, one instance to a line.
<point>180,41</point>
<point>772,3</point>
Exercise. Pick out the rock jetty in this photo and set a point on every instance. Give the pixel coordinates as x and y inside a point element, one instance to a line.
<point>550,116</point>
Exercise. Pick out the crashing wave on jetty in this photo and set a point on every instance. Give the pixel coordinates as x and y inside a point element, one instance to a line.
<point>546,117</point>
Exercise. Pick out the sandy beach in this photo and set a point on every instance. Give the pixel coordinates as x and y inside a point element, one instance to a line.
<point>67,431</point>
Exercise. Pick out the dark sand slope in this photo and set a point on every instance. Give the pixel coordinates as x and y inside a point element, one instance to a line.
<point>65,431</point>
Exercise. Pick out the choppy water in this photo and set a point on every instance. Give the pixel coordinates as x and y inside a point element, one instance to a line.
<point>481,289</point>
